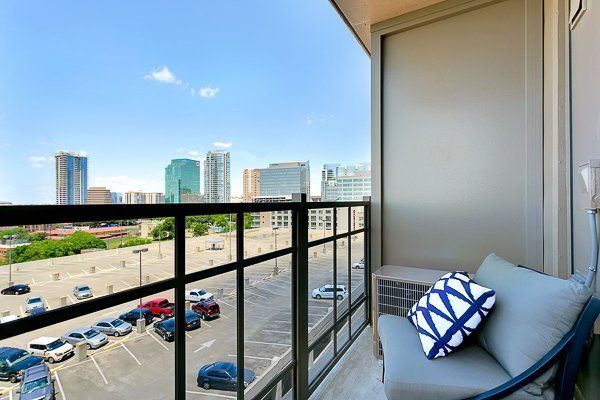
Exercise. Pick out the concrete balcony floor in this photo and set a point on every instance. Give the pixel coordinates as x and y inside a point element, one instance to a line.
<point>356,376</point>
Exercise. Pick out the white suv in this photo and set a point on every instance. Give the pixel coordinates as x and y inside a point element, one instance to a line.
<point>326,292</point>
<point>50,349</point>
<point>196,295</point>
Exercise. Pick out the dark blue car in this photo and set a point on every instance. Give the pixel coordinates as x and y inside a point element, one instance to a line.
<point>14,361</point>
<point>166,327</point>
<point>37,384</point>
<point>135,314</point>
<point>223,376</point>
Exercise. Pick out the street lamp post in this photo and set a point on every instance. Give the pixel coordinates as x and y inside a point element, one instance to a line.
<point>11,239</point>
<point>229,234</point>
<point>140,251</point>
<point>324,219</point>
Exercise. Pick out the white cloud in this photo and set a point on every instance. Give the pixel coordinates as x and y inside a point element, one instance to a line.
<point>164,75</point>
<point>224,145</point>
<point>208,92</point>
<point>194,153</point>
<point>39,161</point>
<point>312,118</point>
<point>122,183</point>
<point>83,153</point>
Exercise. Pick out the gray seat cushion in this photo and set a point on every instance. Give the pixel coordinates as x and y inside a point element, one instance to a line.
<point>532,313</point>
<point>410,375</point>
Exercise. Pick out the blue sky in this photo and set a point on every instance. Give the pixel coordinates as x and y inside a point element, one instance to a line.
<point>137,83</point>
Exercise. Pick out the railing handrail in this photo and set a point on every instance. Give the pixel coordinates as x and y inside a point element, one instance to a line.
<point>49,214</point>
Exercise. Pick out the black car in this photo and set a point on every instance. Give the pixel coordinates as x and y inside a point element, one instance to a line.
<point>135,314</point>
<point>16,289</point>
<point>165,329</point>
<point>222,375</point>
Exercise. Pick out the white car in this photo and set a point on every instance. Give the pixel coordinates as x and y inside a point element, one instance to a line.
<point>326,292</point>
<point>34,302</point>
<point>359,265</point>
<point>50,349</point>
<point>8,318</point>
<point>196,295</point>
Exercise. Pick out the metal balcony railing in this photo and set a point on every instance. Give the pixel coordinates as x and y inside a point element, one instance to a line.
<point>302,355</point>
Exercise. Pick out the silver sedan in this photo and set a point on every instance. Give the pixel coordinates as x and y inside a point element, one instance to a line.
<point>91,337</point>
<point>113,326</point>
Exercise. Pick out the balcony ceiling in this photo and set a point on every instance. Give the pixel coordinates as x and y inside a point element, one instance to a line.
<point>360,15</point>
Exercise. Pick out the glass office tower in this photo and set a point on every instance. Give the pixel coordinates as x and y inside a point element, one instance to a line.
<point>182,176</point>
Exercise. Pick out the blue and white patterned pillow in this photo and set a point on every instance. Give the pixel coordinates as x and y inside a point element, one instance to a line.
<point>449,312</point>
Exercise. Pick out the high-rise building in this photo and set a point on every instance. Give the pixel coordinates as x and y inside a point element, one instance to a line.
<point>182,176</point>
<point>71,178</point>
<point>251,183</point>
<point>116,197</point>
<point>217,177</point>
<point>345,182</point>
<point>284,179</point>
<point>144,198</point>
<point>99,195</point>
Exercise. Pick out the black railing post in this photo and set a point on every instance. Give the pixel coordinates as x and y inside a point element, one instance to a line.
<point>180,307</point>
<point>239,244</point>
<point>349,216</point>
<point>367,258</point>
<point>301,294</point>
<point>335,301</point>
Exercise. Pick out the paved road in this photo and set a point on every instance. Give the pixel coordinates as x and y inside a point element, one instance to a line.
<point>142,365</point>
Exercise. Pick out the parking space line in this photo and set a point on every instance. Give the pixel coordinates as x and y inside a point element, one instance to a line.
<point>257,295</point>
<point>253,357</point>
<point>99,370</point>
<point>251,302</point>
<point>271,331</point>
<point>47,305</point>
<point>226,303</point>
<point>158,341</point>
<point>210,394</point>
<point>126,284</point>
<point>224,316</point>
<point>267,343</point>
<point>21,310</point>
<point>280,280</point>
<point>188,335</point>
<point>269,291</point>
<point>68,273</point>
<point>70,298</point>
<point>272,284</point>
<point>60,388</point>
<point>206,323</point>
<point>284,322</point>
<point>131,354</point>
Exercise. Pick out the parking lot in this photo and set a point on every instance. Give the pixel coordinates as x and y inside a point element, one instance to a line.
<point>142,365</point>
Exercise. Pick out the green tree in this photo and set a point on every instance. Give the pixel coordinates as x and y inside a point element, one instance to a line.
<point>165,230</point>
<point>81,240</point>
<point>247,221</point>
<point>135,241</point>
<point>199,229</point>
<point>18,231</point>
<point>38,236</point>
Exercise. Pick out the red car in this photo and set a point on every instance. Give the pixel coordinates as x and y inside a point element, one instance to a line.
<point>207,309</point>
<point>160,307</point>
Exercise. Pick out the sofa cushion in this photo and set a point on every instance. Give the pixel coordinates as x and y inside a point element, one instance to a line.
<point>533,312</point>
<point>409,375</point>
<point>449,312</point>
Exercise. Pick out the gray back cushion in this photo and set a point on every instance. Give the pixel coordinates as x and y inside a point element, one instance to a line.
<point>532,313</point>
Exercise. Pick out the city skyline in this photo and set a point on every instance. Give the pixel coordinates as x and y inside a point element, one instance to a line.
<point>135,104</point>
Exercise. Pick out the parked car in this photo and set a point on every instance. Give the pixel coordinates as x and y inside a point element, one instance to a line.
<point>14,361</point>
<point>195,295</point>
<point>165,329</point>
<point>207,309</point>
<point>91,337</point>
<point>37,384</point>
<point>160,307</point>
<point>192,320</point>
<point>8,318</point>
<point>82,292</point>
<point>326,292</point>
<point>223,376</point>
<point>34,302</point>
<point>360,264</point>
<point>50,349</point>
<point>135,314</point>
<point>113,326</point>
<point>16,289</point>
<point>37,310</point>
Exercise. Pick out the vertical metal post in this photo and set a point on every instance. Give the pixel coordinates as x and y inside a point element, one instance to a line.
<point>335,301</point>
<point>349,274</point>
<point>239,283</point>
<point>180,307</point>
<point>301,293</point>
<point>367,256</point>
